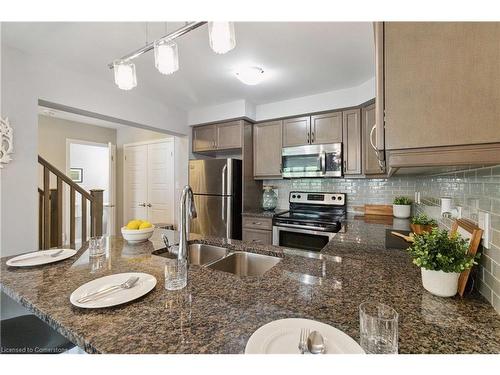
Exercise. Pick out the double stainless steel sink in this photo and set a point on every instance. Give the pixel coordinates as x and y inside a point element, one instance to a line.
<point>239,263</point>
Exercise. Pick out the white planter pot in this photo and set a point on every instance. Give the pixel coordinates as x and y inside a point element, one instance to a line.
<point>439,283</point>
<point>401,211</point>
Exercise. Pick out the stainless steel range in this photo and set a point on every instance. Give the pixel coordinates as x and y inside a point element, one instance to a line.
<point>312,221</point>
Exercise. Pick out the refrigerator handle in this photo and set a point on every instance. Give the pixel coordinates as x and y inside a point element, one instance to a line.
<point>224,193</point>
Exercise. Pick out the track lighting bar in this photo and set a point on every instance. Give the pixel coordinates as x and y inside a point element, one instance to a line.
<point>169,37</point>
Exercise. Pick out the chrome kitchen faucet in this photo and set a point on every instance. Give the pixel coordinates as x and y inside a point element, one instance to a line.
<point>188,211</point>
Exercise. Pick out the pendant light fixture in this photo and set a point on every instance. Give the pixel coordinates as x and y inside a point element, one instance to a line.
<point>125,77</point>
<point>166,56</point>
<point>221,36</point>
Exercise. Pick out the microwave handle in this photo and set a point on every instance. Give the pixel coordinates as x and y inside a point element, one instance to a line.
<point>323,162</point>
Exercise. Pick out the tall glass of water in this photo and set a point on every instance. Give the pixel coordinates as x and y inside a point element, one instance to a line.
<point>378,326</point>
<point>175,273</point>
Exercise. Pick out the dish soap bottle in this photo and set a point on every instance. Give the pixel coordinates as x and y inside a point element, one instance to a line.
<point>269,198</point>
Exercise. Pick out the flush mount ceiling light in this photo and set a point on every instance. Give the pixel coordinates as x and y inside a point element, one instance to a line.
<point>166,56</point>
<point>250,75</point>
<point>125,77</point>
<point>221,37</point>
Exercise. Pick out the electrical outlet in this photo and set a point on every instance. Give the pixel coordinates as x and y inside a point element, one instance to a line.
<point>484,224</point>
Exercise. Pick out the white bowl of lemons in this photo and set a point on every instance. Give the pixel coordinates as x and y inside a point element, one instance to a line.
<point>137,231</point>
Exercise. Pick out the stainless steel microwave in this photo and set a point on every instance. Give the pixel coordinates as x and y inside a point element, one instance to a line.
<point>312,161</point>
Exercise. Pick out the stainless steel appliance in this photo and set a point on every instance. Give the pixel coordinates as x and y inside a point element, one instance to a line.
<point>216,185</point>
<point>312,161</point>
<point>312,221</point>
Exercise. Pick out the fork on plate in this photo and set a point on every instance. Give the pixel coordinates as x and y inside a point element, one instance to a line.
<point>304,334</point>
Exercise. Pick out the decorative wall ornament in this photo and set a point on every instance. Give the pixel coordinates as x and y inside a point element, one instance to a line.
<point>6,141</point>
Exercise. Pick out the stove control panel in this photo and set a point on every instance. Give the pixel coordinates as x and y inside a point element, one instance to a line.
<point>331,199</point>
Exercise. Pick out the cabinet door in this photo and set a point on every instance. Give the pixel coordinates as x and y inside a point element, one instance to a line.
<point>370,160</point>
<point>296,131</point>
<point>326,128</point>
<point>267,149</point>
<point>442,83</point>
<point>256,236</point>
<point>229,135</point>
<point>352,141</point>
<point>204,138</point>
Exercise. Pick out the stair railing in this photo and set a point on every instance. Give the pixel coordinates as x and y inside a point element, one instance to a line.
<point>50,215</point>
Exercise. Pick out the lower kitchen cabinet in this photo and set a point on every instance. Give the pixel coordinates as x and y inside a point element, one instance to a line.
<point>267,149</point>
<point>258,236</point>
<point>352,141</point>
<point>258,230</point>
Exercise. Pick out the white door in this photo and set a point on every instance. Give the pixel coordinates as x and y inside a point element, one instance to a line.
<point>161,182</point>
<point>135,193</point>
<point>111,230</point>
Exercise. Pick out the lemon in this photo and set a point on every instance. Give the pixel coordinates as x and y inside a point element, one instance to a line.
<point>145,224</point>
<point>133,224</point>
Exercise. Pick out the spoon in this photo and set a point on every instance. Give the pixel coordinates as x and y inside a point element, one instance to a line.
<point>316,343</point>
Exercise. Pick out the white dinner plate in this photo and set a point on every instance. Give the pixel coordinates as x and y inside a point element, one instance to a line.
<point>144,285</point>
<point>37,258</point>
<point>282,337</point>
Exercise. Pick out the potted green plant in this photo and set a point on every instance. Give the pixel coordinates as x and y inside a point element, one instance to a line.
<point>401,207</point>
<point>422,223</point>
<point>441,258</point>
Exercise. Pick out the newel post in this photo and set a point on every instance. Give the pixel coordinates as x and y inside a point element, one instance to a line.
<point>96,212</point>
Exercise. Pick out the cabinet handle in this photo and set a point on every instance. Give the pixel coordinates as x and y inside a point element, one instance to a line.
<point>308,138</point>
<point>312,137</point>
<point>257,223</point>
<point>213,144</point>
<point>345,165</point>
<point>256,241</point>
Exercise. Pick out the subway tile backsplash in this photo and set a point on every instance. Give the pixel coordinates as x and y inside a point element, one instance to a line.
<point>359,191</point>
<point>474,190</point>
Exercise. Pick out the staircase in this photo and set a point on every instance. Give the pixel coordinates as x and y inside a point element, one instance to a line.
<point>50,212</point>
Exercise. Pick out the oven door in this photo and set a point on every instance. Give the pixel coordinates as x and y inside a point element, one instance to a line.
<point>300,237</point>
<point>312,161</point>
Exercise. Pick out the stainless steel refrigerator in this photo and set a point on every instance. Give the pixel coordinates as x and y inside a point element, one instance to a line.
<point>217,185</point>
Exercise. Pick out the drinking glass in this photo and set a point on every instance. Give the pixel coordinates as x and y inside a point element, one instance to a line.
<point>96,246</point>
<point>378,326</point>
<point>175,273</point>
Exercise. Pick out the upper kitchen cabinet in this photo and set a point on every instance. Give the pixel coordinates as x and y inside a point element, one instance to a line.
<point>297,131</point>
<point>352,141</point>
<point>326,128</point>
<point>370,162</point>
<point>217,137</point>
<point>267,140</point>
<point>442,83</point>
<point>229,135</point>
<point>204,138</point>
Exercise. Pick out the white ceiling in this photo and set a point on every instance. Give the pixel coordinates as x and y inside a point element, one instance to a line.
<point>299,58</point>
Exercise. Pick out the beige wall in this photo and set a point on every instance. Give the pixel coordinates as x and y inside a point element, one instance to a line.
<point>124,136</point>
<point>53,132</point>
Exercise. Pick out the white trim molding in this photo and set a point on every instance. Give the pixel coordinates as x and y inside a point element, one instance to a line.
<point>6,141</point>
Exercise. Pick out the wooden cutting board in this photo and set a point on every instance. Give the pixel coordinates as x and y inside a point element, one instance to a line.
<point>375,209</point>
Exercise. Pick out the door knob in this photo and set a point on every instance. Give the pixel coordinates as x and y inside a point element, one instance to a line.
<point>150,205</point>
<point>142,204</point>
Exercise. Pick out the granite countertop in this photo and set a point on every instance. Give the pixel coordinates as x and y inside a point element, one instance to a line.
<point>217,312</point>
<point>259,212</point>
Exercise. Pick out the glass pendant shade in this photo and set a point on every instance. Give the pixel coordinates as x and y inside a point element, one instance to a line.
<point>221,36</point>
<point>166,57</point>
<point>125,77</point>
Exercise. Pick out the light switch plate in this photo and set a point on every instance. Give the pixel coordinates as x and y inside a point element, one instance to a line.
<point>484,224</point>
